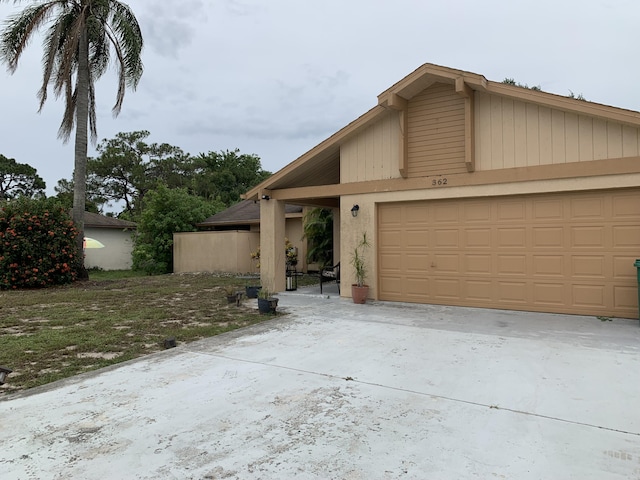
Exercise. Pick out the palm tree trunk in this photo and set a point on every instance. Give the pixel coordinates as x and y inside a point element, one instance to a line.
<point>80,163</point>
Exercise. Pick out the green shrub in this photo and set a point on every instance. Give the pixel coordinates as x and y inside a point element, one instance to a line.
<point>166,212</point>
<point>37,244</point>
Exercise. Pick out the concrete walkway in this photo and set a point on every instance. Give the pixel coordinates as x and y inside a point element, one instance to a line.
<point>342,391</point>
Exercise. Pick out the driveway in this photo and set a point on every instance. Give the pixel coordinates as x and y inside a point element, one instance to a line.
<point>342,391</point>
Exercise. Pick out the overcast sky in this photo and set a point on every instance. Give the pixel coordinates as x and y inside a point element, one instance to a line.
<point>277,77</point>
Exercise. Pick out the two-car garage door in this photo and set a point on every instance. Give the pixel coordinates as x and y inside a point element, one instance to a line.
<point>565,253</point>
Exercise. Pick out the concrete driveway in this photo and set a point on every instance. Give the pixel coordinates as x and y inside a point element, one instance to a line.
<point>342,391</point>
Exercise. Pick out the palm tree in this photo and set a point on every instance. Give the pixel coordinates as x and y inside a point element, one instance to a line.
<point>77,48</point>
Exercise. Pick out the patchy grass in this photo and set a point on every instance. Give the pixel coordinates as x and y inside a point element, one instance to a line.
<point>54,333</point>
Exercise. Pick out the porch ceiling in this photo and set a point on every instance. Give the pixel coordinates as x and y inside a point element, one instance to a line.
<point>324,170</point>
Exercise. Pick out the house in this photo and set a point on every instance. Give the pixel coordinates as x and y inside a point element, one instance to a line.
<point>476,193</point>
<point>115,235</point>
<point>228,238</point>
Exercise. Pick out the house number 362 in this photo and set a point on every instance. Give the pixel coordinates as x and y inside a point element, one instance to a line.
<point>438,182</point>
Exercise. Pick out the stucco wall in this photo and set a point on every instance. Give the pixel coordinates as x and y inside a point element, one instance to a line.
<point>227,251</point>
<point>116,254</point>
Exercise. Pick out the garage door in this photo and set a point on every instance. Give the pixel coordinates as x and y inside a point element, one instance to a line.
<point>564,253</point>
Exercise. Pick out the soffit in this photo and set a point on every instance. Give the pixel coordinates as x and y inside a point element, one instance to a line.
<point>323,170</point>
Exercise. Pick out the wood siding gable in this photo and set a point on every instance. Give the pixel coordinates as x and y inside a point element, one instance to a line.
<point>436,129</point>
<point>512,133</point>
<point>373,153</point>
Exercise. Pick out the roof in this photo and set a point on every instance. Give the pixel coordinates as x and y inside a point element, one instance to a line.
<point>321,164</point>
<point>242,213</point>
<point>94,220</point>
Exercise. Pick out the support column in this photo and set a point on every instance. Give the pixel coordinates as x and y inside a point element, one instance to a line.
<point>272,234</point>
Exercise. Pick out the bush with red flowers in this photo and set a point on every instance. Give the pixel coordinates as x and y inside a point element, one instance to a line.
<point>37,244</point>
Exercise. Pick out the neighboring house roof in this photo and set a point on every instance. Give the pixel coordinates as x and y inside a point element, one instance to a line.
<point>321,164</point>
<point>246,212</point>
<point>94,220</point>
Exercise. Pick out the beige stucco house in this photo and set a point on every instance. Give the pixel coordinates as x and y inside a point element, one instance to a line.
<point>117,237</point>
<point>476,193</point>
<point>225,240</point>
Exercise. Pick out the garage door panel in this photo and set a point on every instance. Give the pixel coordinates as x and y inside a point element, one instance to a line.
<point>565,253</point>
<point>512,265</point>
<point>415,239</point>
<point>447,263</point>
<point>548,210</point>
<point>391,263</point>
<point>552,294</point>
<point>548,237</point>
<point>512,237</point>
<point>626,237</point>
<point>625,206</point>
<point>446,213</point>
<point>391,239</point>
<point>625,297</point>
<point>479,212</point>
<point>548,266</point>
<point>415,215</point>
<point>446,289</point>
<point>417,287</point>
<point>588,237</point>
<point>589,295</point>
<point>512,292</point>
<point>511,210</point>
<point>588,266</point>
<point>478,264</point>
<point>589,207</point>
<point>446,238</point>
<point>417,264</point>
<point>479,291</point>
<point>623,268</point>
<point>391,216</point>
<point>478,238</point>
<point>392,286</point>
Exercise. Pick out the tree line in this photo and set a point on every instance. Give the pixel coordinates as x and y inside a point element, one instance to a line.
<point>159,186</point>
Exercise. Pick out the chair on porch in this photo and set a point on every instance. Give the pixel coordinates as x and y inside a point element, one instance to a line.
<point>330,274</point>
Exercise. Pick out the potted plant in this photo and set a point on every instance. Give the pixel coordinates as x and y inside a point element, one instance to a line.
<point>267,303</point>
<point>290,253</point>
<point>232,294</point>
<point>252,290</point>
<point>359,290</point>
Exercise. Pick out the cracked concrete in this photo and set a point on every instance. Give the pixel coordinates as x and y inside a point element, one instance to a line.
<point>336,390</point>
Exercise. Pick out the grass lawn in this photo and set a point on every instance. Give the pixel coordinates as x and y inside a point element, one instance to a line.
<point>55,333</point>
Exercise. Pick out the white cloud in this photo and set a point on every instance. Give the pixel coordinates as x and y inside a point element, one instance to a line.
<point>275,78</point>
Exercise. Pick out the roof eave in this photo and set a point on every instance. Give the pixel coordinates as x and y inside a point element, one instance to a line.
<point>333,141</point>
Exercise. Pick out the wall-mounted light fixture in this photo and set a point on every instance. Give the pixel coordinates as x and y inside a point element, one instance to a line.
<point>4,371</point>
<point>354,210</point>
<point>266,197</point>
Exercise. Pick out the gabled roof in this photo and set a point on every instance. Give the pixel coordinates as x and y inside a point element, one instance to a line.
<point>246,212</point>
<point>321,164</point>
<point>93,220</point>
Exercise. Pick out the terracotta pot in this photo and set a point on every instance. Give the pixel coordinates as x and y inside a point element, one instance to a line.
<point>359,294</point>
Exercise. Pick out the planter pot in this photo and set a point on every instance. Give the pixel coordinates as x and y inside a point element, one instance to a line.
<point>252,292</point>
<point>359,294</point>
<point>267,305</point>
<point>231,299</point>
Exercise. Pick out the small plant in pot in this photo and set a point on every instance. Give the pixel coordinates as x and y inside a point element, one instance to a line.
<point>360,291</point>
<point>267,303</point>
<point>231,293</point>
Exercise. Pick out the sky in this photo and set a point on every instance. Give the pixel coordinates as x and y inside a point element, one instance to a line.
<point>275,78</point>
